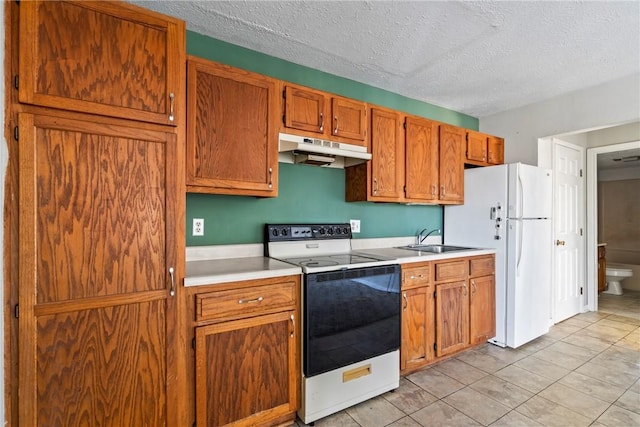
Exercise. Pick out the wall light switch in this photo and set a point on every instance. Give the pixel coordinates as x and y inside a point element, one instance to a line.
<point>355,225</point>
<point>198,227</point>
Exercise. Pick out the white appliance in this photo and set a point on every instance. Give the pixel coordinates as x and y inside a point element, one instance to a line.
<point>508,208</point>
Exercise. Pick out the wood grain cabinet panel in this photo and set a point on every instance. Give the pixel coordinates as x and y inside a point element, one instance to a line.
<point>452,317</point>
<point>482,309</point>
<point>422,163</point>
<point>495,150</point>
<point>98,208</point>
<point>106,58</point>
<point>232,130</point>
<point>382,178</point>
<point>318,114</point>
<point>244,370</point>
<point>476,146</point>
<point>451,164</point>
<point>418,328</point>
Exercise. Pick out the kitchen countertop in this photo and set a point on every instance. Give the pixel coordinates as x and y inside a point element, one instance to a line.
<point>213,271</point>
<point>405,256</point>
<point>234,267</point>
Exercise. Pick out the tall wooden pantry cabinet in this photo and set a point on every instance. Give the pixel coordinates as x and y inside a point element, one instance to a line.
<point>97,126</point>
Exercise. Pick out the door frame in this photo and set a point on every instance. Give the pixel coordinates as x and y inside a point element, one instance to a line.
<point>592,217</point>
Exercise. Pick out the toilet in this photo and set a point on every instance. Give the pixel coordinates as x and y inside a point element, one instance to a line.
<point>615,274</point>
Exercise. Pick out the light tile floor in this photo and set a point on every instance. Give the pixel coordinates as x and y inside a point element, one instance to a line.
<point>585,371</point>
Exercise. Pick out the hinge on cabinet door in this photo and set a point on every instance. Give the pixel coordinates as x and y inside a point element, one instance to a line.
<point>16,134</point>
<point>580,290</point>
<point>580,173</point>
<point>434,294</point>
<point>193,343</point>
<point>404,125</point>
<point>466,137</point>
<point>581,231</point>
<point>16,82</point>
<point>16,311</point>
<point>435,346</point>
<point>284,119</point>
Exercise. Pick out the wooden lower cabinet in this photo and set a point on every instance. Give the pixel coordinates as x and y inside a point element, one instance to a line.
<point>246,361</point>
<point>452,317</point>
<point>448,306</point>
<point>417,318</point>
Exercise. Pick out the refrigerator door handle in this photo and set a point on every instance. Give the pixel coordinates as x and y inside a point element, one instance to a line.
<point>519,227</point>
<point>520,197</point>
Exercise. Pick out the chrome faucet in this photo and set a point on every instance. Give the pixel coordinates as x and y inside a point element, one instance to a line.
<point>420,238</point>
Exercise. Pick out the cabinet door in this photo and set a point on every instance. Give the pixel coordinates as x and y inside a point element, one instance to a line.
<point>246,368</point>
<point>387,149</point>
<point>452,164</point>
<point>349,119</point>
<point>107,58</point>
<point>422,162</point>
<point>482,309</point>
<point>452,317</point>
<point>418,328</point>
<point>495,150</point>
<point>305,109</point>
<point>476,146</point>
<point>98,208</point>
<point>232,131</point>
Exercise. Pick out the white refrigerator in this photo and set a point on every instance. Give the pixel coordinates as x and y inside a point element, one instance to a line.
<point>508,208</point>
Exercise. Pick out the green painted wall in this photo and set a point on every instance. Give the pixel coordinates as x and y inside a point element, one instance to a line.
<point>307,193</point>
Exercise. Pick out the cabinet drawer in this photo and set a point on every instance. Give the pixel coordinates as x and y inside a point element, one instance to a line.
<point>416,276</point>
<point>481,266</point>
<point>244,301</point>
<point>451,270</point>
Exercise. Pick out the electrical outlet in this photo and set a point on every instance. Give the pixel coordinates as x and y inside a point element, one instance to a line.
<point>355,225</point>
<point>198,227</point>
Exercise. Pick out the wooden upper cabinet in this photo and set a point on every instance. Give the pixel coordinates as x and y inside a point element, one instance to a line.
<point>387,156</point>
<point>422,163</point>
<point>305,109</point>
<point>320,114</point>
<point>495,150</point>
<point>106,58</point>
<point>232,130</point>
<point>382,178</point>
<point>483,149</point>
<point>451,156</point>
<point>349,118</point>
<point>476,146</point>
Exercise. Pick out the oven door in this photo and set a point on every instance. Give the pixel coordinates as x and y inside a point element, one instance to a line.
<point>350,316</point>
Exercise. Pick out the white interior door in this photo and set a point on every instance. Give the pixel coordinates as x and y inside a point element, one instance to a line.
<point>568,225</point>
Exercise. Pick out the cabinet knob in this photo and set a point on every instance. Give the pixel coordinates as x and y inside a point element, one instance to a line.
<point>560,242</point>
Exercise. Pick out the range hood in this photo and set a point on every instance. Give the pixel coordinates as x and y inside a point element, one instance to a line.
<point>320,152</point>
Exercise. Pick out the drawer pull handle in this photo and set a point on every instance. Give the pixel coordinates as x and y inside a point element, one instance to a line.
<point>406,302</point>
<point>419,276</point>
<point>321,122</point>
<point>249,301</point>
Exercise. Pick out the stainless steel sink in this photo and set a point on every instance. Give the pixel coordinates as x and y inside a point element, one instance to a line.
<point>436,249</point>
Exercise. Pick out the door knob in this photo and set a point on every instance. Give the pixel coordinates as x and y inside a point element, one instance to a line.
<point>560,242</point>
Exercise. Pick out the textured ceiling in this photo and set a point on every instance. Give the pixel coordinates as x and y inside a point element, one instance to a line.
<point>478,58</point>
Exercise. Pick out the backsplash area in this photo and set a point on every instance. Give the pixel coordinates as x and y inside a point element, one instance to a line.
<point>305,194</point>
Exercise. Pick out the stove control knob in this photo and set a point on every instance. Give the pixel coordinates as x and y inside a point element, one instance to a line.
<point>284,232</point>
<point>274,232</point>
<point>322,231</point>
<point>330,231</point>
<point>338,230</point>
<point>345,230</point>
